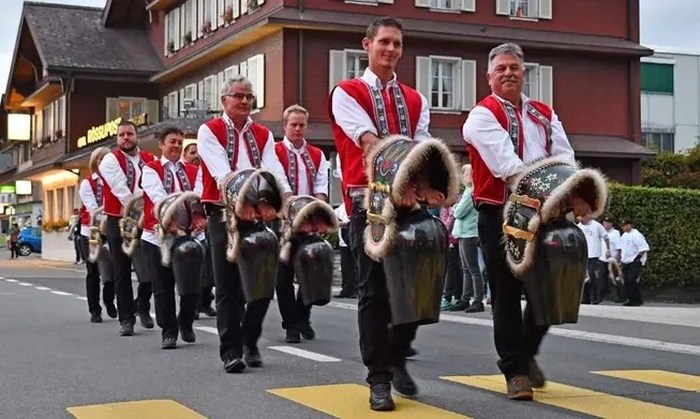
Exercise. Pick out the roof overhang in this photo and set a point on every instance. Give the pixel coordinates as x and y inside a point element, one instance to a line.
<point>47,93</point>
<point>157,5</point>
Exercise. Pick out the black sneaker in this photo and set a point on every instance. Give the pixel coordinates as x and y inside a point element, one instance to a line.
<point>146,320</point>
<point>252,358</point>
<point>127,328</point>
<point>307,332</point>
<point>187,334</point>
<point>111,311</point>
<point>233,364</point>
<point>535,375</point>
<point>95,318</point>
<point>169,342</point>
<point>459,306</point>
<point>293,336</point>
<point>403,383</point>
<point>476,307</point>
<point>380,397</point>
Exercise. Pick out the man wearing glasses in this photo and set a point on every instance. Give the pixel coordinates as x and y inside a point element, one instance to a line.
<point>229,143</point>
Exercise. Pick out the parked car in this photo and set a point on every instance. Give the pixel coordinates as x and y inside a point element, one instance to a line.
<point>29,240</point>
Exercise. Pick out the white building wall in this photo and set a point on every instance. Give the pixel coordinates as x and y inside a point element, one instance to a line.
<point>680,112</point>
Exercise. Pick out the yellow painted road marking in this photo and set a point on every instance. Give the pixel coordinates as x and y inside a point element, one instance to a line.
<point>657,377</point>
<point>352,401</point>
<point>144,409</point>
<point>582,400</point>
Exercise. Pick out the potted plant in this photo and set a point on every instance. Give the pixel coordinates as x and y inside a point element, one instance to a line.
<point>228,15</point>
<point>206,28</point>
<point>253,5</point>
<point>171,47</point>
<point>58,134</point>
<point>187,39</point>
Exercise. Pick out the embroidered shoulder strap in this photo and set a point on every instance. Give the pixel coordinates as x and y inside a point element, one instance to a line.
<point>513,126</point>
<point>253,151</point>
<point>380,111</point>
<point>545,122</point>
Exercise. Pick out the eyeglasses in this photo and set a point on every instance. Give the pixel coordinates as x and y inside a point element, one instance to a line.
<point>240,96</point>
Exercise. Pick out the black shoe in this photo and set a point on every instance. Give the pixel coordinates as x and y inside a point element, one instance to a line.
<point>127,328</point>
<point>233,364</point>
<point>632,304</point>
<point>169,342</point>
<point>208,310</point>
<point>96,318</point>
<point>459,306</point>
<point>196,315</point>
<point>410,352</point>
<point>535,375</point>
<point>111,310</point>
<point>403,383</point>
<point>187,334</point>
<point>307,332</point>
<point>293,336</point>
<point>252,357</point>
<point>146,320</point>
<point>476,307</point>
<point>380,397</point>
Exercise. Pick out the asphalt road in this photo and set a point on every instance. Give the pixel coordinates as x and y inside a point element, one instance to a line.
<point>52,361</point>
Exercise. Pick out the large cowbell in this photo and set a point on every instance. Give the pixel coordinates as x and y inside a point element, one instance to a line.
<point>104,264</point>
<point>415,268</point>
<point>313,265</point>
<point>257,260</point>
<point>554,283</point>
<point>187,263</point>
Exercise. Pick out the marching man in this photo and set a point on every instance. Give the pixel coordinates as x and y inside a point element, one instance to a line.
<point>91,195</point>
<point>121,171</point>
<point>161,178</point>
<point>227,144</point>
<point>306,169</point>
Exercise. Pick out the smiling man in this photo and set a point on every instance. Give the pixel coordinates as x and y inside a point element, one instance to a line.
<point>363,111</point>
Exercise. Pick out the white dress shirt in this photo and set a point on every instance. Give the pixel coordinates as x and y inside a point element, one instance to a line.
<point>342,215</point>
<point>214,155</point>
<point>483,131</point>
<point>355,122</point>
<point>88,198</point>
<point>631,245</point>
<point>154,188</point>
<point>320,183</point>
<point>595,238</point>
<point>614,237</point>
<point>115,177</point>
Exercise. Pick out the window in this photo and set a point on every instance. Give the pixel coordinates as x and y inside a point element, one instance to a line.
<point>525,9</point>
<point>657,78</point>
<point>346,64</point>
<point>209,94</point>
<point>659,141</point>
<point>254,69</point>
<point>50,122</point>
<point>448,5</point>
<point>172,105</point>
<point>355,63</point>
<point>538,83</point>
<point>47,124</point>
<point>128,107</point>
<point>449,83</point>
<point>369,2</point>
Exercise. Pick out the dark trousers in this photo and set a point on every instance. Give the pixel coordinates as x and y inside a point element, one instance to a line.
<point>348,265</point>
<point>163,282</point>
<point>233,333</point>
<point>294,312</point>
<point>594,290</point>
<point>516,336</point>
<point>453,278</point>
<point>126,306</point>
<point>92,282</point>
<point>206,295</point>
<point>78,250</point>
<point>380,350</point>
<point>630,276</point>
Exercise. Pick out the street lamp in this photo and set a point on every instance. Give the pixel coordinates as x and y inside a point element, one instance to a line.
<point>19,126</point>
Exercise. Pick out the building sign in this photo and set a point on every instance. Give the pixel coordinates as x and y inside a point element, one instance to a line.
<point>7,188</point>
<point>108,129</point>
<point>23,187</point>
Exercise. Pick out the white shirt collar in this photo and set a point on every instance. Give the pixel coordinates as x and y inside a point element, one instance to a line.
<point>229,121</point>
<point>523,99</point>
<point>290,146</point>
<point>373,80</point>
<point>95,176</point>
<point>164,161</point>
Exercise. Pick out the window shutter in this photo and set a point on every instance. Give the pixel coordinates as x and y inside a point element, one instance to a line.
<point>221,80</point>
<point>503,7</point>
<point>167,32</point>
<point>220,12</point>
<point>243,68</point>
<point>237,8</point>
<point>200,16</point>
<point>192,4</point>
<point>200,91</point>
<point>468,84</point>
<point>422,3</point>
<point>423,77</point>
<point>336,67</point>
<point>176,33</point>
<point>256,74</point>
<point>546,85</point>
<point>230,72</point>
<point>112,108</point>
<point>469,5</point>
<point>166,107</point>
<point>153,115</point>
<point>244,7</point>
<point>545,9</point>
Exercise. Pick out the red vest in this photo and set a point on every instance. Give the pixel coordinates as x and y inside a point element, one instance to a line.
<point>350,154</point>
<point>84,213</point>
<point>149,220</point>
<point>283,155</point>
<point>210,192</point>
<point>112,204</point>
<point>487,188</point>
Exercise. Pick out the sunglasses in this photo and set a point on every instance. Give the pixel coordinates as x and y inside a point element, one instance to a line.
<point>240,96</point>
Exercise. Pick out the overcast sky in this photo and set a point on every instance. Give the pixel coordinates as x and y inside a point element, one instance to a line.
<point>668,23</point>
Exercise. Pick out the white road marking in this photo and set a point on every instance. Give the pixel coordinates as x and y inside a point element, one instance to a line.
<point>42,288</point>
<point>81,298</point>
<point>60,293</point>
<point>208,329</point>
<point>657,345</point>
<point>25,284</point>
<point>305,354</point>
<point>11,280</point>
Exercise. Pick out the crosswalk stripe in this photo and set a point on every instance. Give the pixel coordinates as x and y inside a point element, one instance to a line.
<point>142,409</point>
<point>351,401</point>
<point>581,400</point>
<point>657,377</point>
